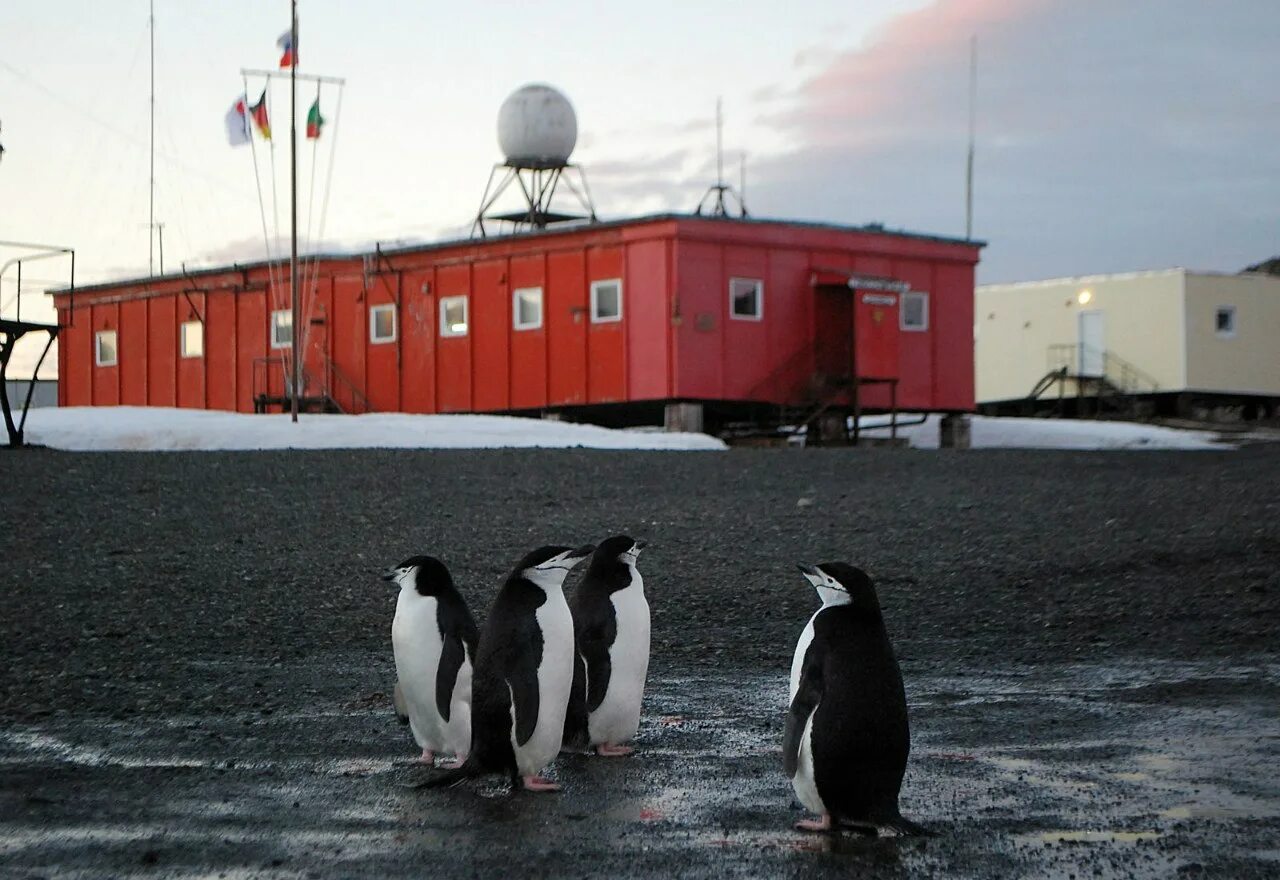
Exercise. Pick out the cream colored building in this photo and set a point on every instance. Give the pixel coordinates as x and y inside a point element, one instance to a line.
<point>1194,335</point>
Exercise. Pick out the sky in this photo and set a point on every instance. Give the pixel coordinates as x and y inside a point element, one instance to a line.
<point>1111,135</point>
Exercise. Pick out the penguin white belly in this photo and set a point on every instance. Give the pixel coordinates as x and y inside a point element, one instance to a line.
<point>806,787</point>
<point>797,661</point>
<point>458,729</point>
<point>617,718</point>
<point>416,643</point>
<point>555,677</point>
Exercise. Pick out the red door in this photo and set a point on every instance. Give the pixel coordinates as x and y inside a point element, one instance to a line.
<point>832,336</point>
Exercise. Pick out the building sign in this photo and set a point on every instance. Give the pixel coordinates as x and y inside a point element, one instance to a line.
<point>875,282</point>
<point>880,299</point>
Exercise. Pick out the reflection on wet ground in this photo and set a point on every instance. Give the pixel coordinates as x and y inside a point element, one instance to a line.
<point>1120,770</point>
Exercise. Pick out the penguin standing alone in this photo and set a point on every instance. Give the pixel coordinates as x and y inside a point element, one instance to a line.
<point>830,595</point>
<point>611,630</point>
<point>524,669</point>
<point>847,736</point>
<point>433,638</point>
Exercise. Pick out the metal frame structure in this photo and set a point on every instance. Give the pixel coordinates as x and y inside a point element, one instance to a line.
<point>13,329</point>
<point>538,185</point>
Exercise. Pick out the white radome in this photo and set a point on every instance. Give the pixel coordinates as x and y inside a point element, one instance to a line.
<point>537,127</point>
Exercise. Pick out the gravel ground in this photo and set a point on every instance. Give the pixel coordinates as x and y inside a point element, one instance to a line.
<point>198,656</point>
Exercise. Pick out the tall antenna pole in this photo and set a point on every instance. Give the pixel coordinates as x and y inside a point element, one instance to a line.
<point>719,148</point>
<point>742,181</point>
<point>151,219</point>
<point>968,176</point>
<point>295,300</point>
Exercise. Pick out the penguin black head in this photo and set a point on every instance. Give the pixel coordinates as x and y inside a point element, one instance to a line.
<point>839,583</point>
<point>553,558</point>
<point>619,548</point>
<point>424,574</point>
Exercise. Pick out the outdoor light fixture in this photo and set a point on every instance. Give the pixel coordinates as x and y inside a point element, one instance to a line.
<point>1084,296</point>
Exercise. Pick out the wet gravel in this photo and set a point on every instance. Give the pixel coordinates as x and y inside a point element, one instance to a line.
<point>201,640</point>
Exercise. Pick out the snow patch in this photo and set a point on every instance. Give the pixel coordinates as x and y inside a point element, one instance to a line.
<point>988,432</point>
<point>141,428</point>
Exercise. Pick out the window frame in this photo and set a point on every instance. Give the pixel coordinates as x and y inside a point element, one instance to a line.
<point>595,301</point>
<point>445,329</point>
<point>276,342</point>
<point>759,291</point>
<point>97,348</point>
<point>182,340</point>
<point>515,308</point>
<point>922,295</point>
<point>374,311</point>
<point>1230,331</point>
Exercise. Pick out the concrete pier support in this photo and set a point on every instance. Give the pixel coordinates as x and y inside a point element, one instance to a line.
<point>683,417</point>
<point>953,431</point>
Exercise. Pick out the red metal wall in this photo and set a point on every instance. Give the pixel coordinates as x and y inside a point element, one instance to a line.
<point>676,339</point>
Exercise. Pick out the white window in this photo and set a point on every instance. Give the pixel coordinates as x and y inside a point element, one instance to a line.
<point>915,310</point>
<point>453,316</point>
<point>104,348</point>
<point>746,299</point>
<point>606,301</point>
<point>1224,321</point>
<point>382,323</point>
<point>526,308</point>
<point>191,337</point>
<point>282,328</point>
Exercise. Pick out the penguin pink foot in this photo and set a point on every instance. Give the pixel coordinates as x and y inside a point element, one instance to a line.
<point>607,751</point>
<point>823,824</point>
<point>428,757</point>
<point>539,783</point>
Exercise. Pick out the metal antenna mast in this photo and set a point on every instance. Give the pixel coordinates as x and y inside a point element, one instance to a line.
<point>968,175</point>
<point>151,218</point>
<point>717,204</point>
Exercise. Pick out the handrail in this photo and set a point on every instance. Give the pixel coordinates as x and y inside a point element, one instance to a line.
<point>1120,372</point>
<point>358,397</point>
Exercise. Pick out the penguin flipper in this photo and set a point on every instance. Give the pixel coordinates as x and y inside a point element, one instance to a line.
<point>402,708</point>
<point>806,700</point>
<point>452,653</point>
<point>575,718</point>
<point>522,681</point>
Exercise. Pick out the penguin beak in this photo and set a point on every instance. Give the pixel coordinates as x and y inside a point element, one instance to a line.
<point>810,572</point>
<point>640,545</point>
<point>389,575</point>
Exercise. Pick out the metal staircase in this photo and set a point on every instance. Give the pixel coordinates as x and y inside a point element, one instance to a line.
<point>331,392</point>
<point>1089,382</point>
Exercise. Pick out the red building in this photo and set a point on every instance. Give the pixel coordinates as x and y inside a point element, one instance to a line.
<point>609,322</point>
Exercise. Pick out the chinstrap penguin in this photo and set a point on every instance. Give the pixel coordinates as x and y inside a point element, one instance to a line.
<point>433,638</point>
<point>830,593</point>
<point>847,737</point>
<point>611,630</point>
<point>524,669</point>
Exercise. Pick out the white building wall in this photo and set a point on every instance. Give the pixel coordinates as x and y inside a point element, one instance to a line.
<point>1247,359</point>
<point>1143,321</point>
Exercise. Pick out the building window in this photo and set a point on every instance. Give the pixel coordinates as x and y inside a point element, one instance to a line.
<point>915,310</point>
<point>104,348</point>
<point>453,316</point>
<point>382,323</point>
<point>526,308</point>
<point>746,299</point>
<point>281,328</point>
<point>606,301</point>
<point>1224,321</point>
<point>191,337</point>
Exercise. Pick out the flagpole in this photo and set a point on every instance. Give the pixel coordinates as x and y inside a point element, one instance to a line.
<point>296,334</point>
<point>151,218</point>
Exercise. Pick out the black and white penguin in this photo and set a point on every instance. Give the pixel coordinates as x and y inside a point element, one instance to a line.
<point>433,637</point>
<point>611,629</point>
<point>847,737</point>
<point>524,669</point>
<point>830,593</point>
